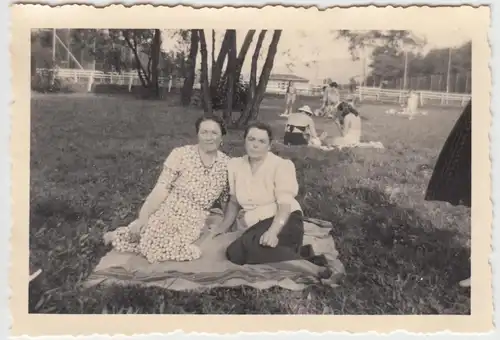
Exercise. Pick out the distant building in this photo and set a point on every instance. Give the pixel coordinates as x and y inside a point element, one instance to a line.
<point>278,83</point>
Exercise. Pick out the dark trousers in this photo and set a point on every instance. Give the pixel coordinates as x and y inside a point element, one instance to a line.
<point>247,249</point>
<point>294,139</point>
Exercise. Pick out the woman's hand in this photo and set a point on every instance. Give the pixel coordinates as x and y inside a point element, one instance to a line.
<point>269,239</point>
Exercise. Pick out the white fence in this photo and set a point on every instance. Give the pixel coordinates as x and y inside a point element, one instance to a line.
<point>364,93</point>
<point>400,96</point>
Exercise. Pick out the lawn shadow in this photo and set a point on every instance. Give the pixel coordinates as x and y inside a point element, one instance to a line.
<point>394,258</point>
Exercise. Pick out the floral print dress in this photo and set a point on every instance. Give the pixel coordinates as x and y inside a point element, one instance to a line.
<point>193,188</point>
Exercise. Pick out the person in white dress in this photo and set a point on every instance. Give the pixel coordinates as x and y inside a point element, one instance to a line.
<point>411,108</point>
<point>349,123</point>
<point>170,81</point>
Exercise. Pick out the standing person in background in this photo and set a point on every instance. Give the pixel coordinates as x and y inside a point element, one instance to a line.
<point>352,86</point>
<point>451,179</point>
<point>290,97</point>
<point>170,81</point>
<point>331,99</point>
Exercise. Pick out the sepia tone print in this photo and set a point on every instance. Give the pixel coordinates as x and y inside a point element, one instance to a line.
<point>232,170</point>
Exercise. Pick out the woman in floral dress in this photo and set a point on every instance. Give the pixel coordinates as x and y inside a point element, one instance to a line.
<point>194,177</point>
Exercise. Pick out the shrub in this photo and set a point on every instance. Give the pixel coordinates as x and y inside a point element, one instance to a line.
<point>240,95</point>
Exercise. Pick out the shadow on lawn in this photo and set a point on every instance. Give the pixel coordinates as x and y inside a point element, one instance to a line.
<point>396,263</point>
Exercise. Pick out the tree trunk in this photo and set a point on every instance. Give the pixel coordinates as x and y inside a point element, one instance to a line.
<point>230,72</point>
<point>187,88</point>
<point>213,53</point>
<point>205,86</point>
<point>245,116</point>
<point>141,72</point>
<point>264,76</point>
<point>243,53</point>
<point>155,63</point>
<point>219,63</point>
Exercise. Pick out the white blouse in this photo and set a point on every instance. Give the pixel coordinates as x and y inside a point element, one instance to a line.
<point>274,182</point>
<point>352,128</point>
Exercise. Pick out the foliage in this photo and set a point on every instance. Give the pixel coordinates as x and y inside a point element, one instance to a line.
<point>240,95</point>
<point>45,81</point>
<point>395,39</point>
<point>388,62</point>
<point>114,49</point>
<point>88,176</point>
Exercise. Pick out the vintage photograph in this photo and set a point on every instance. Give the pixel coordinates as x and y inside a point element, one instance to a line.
<point>252,170</point>
<point>254,164</point>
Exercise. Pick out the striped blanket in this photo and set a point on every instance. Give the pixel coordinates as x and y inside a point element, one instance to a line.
<point>213,270</point>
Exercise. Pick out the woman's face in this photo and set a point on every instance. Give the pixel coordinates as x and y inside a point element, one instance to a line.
<point>209,135</point>
<point>257,143</point>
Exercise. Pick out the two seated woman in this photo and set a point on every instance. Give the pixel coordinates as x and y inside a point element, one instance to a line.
<point>194,177</point>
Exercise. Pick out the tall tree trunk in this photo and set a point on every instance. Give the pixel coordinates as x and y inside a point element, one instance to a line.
<point>213,53</point>
<point>245,116</point>
<point>230,72</point>
<point>205,86</point>
<point>155,63</point>
<point>219,63</point>
<point>187,88</point>
<point>264,76</point>
<point>243,53</point>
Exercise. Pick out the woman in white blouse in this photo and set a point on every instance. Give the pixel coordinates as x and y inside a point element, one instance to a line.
<point>265,185</point>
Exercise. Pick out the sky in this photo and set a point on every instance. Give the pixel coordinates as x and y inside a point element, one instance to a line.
<point>316,55</point>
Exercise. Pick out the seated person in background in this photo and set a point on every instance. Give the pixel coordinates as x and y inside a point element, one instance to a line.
<point>299,127</point>
<point>349,123</point>
<point>264,185</point>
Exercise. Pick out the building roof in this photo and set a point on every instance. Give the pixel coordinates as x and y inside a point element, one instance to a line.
<point>287,77</point>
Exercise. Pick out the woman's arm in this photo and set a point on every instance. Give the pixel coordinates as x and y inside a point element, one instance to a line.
<point>155,197</point>
<point>286,189</point>
<point>170,172</point>
<point>231,211</point>
<point>232,207</point>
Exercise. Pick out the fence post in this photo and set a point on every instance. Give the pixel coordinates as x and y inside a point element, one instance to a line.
<point>91,81</point>
<point>130,81</point>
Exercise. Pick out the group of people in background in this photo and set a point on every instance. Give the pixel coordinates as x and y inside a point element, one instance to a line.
<point>300,128</point>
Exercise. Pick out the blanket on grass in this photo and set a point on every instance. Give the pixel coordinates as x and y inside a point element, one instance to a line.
<point>213,270</point>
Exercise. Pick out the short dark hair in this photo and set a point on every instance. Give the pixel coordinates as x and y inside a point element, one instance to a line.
<point>213,118</point>
<point>334,84</point>
<point>261,126</point>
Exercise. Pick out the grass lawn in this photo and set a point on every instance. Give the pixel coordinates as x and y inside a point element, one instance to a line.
<point>94,160</point>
